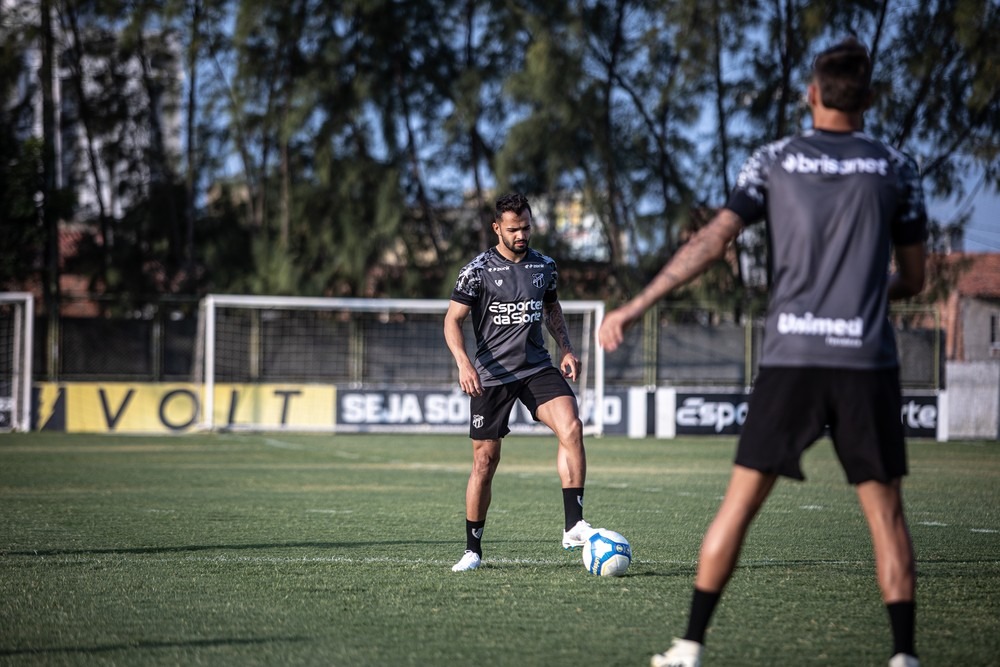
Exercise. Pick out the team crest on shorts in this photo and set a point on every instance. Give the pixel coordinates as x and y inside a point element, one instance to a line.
<point>538,280</point>
<point>477,421</point>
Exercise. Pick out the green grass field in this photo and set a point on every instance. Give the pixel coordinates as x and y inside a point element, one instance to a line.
<point>318,550</point>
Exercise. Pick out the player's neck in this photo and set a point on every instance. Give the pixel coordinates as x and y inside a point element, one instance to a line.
<point>831,120</point>
<point>509,254</point>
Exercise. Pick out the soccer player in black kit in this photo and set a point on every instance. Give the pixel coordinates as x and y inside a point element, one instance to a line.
<point>510,291</point>
<point>838,206</point>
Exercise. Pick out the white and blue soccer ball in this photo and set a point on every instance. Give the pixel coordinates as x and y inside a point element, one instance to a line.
<point>606,553</point>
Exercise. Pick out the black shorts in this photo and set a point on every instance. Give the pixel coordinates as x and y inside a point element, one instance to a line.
<point>790,408</point>
<point>490,412</point>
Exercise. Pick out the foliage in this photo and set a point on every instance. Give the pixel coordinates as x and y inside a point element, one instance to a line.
<point>20,225</point>
<point>359,144</point>
<point>20,161</point>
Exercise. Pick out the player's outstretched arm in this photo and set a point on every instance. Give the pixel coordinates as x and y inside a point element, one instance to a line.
<point>468,378</point>
<point>693,258</point>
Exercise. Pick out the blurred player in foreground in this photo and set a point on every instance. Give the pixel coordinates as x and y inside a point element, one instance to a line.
<point>836,204</point>
<point>510,290</point>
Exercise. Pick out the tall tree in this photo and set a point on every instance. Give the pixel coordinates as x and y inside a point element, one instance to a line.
<point>608,102</point>
<point>939,90</point>
<point>22,221</point>
<point>351,148</point>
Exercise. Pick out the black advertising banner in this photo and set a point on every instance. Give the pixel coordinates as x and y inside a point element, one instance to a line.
<point>699,413</point>
<point>447,411</point>
<point>711,414</point>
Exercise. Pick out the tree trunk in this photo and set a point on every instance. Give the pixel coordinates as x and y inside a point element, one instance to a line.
<point>51,223</point>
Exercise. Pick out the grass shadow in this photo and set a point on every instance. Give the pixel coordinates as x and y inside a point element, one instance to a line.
<point>141,645</point>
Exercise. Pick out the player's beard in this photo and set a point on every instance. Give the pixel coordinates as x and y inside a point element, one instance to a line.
<point>513,246</point>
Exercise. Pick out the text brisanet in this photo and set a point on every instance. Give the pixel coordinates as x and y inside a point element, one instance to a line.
<point>516,312</point>
<point>824,164</point>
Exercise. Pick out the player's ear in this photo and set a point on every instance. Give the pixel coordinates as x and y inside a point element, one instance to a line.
<point>812,95</point>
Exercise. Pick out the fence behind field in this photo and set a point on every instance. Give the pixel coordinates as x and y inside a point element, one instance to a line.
<point>680,345</point>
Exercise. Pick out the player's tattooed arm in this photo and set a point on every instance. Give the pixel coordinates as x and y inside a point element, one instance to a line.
<point>693,258</point>
<point>552,315</point>
<point>705,247</point>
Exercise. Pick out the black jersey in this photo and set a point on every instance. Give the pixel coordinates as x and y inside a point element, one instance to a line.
<point>835,204</point>
<point>507,299</point>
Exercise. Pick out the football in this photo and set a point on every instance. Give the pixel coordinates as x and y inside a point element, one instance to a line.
<point>606,553</point>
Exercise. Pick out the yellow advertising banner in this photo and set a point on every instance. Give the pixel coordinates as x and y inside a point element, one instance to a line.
<point>135,407</point>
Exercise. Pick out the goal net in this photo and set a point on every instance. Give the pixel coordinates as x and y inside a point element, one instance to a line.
<point>16,320</point>
<point>356,365</point>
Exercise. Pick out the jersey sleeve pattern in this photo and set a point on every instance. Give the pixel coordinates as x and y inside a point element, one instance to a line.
<point>469,284</point>
<point>552,290</point>
<point>911,220</point>
<point>749,197</point>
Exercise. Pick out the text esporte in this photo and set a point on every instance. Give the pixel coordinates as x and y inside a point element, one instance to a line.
<point>701,412</point>
<point>719,415</point>
<point>516,312</point>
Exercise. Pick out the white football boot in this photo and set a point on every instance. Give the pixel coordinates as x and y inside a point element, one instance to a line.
<point>470,561</point>
<point>683,653</point>
<point>904,660</point>
<point>577,535</point>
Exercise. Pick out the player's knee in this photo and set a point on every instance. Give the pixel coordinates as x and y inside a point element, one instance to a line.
<point>571,431</point>
<point>485,464</point>
<point>711,554</point>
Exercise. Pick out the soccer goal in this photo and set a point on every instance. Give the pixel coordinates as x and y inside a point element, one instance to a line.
<point>356,365</point>
<point>16,325</point>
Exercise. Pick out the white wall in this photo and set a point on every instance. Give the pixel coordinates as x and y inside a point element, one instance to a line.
<point>973,399</point>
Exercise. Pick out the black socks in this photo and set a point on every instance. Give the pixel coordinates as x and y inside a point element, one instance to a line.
<point>573,505</point>
<point>702,607</point>
<point>474,536</point>
<point>902,619</point>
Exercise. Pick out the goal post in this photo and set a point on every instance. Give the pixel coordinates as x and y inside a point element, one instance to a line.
<point>356,365</point>
<point>16,335</point>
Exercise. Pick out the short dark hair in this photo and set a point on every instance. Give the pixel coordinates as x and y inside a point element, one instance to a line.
<point>514,202</point>
<point>843,73</point>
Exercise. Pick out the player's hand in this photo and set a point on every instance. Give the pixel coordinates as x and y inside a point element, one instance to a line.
<point>612,331</point>
<point>570,366</point>
<point>469,380</point>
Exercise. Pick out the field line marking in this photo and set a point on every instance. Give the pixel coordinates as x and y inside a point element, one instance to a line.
<point>281,444</point>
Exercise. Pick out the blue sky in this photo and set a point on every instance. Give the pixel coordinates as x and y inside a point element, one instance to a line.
<point>982,234</point>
